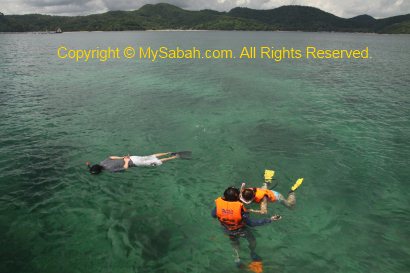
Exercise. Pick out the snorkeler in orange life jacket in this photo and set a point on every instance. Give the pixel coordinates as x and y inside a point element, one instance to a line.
<point>258,195</point>
<point>234,219</point>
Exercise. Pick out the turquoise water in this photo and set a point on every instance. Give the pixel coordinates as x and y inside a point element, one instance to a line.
<point>343,125</point>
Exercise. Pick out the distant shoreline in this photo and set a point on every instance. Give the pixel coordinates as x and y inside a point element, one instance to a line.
<point>199,30</point>
<point>167,17</point>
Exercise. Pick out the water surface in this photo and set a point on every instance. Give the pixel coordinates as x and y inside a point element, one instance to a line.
<point>343,125</point>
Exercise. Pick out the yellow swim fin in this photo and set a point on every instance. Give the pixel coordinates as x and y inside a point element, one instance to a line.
<point>269,175</point>
<point>297,184</point>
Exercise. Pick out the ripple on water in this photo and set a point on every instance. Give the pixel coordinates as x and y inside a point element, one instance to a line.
<point>341,125</point>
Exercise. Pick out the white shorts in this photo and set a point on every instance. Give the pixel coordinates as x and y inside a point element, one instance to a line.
<point>150,160</point>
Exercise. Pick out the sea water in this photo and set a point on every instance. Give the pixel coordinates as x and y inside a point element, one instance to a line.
<point>341,124</point>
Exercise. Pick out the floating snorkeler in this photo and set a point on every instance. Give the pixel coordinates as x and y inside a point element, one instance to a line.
<point>122,163</point>
<point>264,195</point>
<point>235,221</point>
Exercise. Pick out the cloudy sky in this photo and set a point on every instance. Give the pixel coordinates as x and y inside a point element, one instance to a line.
<point>345,8</point>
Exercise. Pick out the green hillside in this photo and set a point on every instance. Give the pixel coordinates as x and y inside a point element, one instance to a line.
<point>166,16</point>
<point>398,28</point>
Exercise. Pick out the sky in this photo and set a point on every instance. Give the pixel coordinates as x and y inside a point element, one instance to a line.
<point>342,8</point>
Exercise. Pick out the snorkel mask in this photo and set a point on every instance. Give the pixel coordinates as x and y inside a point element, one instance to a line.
<point>241,197</point>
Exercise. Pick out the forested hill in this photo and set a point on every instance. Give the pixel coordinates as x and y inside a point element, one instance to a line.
<point>166,16</point>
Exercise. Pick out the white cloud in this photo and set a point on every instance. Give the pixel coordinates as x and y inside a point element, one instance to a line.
<point>347,8</point>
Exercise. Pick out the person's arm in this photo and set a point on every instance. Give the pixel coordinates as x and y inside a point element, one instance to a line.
<point>258,222</point>
<point>264,202</point>
<point>263,207</point>
<point>113,157</point>
<point>213,213</point>
<point>126,162</point>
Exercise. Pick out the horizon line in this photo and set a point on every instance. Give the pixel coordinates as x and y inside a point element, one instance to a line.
<point>227,11</point>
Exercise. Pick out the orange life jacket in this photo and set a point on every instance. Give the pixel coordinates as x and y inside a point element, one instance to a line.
<point>260,193</point>
<point>230,213</point>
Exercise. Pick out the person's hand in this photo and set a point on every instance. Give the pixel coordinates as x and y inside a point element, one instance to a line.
<point>276,217</point>
<point>127,158</point>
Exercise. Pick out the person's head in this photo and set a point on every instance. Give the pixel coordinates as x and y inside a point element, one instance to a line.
<point>231,194</point>
<point>247,195</point>
<point>94,169</point>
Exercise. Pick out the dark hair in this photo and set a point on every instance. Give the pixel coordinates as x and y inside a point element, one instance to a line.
<point>96,169</point>
<point>248,194</point>
<point>231,194</point>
